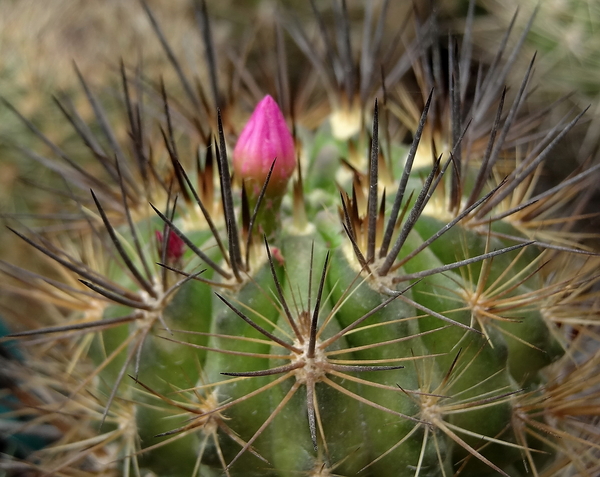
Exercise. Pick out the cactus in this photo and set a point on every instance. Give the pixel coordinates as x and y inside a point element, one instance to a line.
<point>333,300</point>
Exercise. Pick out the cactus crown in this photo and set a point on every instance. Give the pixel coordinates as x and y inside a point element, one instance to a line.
<point>412,308</point>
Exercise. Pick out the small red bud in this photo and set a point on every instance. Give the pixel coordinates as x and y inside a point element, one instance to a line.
<point>277,255</point>
<point>175,246</point>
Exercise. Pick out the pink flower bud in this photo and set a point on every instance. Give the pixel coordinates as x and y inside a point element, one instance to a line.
<point>265,138</point>
<point>175,246</point>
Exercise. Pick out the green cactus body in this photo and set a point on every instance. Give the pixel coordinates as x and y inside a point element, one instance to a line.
<point>399,310</point>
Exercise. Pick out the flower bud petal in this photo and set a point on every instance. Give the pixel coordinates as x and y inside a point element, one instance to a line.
<point>175,246</point>
<point>265,138</point>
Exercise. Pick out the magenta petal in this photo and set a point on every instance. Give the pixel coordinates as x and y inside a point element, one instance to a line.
<point>175,246</point>
<point>265,138</point>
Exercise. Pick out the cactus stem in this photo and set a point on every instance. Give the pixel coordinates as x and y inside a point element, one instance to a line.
<point>258,328</point>
<point>227,351</point>
<point>309,362</point>
<point>272,416</point>
<point>363,400</point>
<point>353,325</point>
<point>433,409</point>
<point>205,418</point>
<point>408,435</point>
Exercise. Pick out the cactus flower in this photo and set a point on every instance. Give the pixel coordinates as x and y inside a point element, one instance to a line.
<point>264,139</point>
